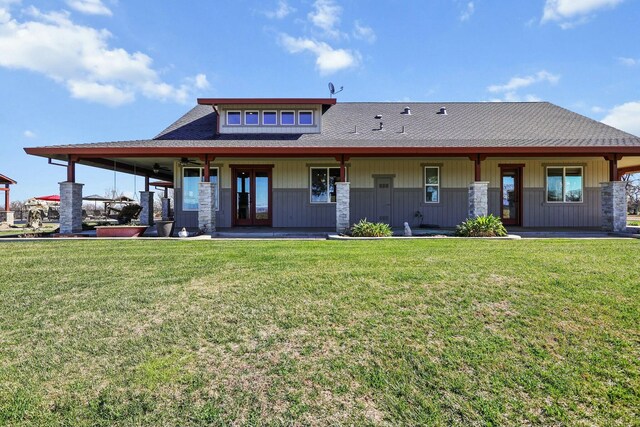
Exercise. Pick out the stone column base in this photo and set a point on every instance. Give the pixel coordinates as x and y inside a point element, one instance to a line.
<point>146,202</point>
<point>70,207</point>
<point>613,196</point>
<point>478,199</point>
<point>342,206</point>
<point>7,217</point>
<point>207,207</point>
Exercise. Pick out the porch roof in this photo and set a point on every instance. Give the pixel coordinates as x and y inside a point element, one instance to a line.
<point>6,180</point>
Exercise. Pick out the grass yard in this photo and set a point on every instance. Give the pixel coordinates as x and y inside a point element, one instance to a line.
<point>414,332</point>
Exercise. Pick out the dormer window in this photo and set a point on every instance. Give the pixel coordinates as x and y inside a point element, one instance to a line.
<point>305,118</point>
<point>287,118</point>
<point>269,118</point>
<point>233,118</point>
<point>251,118</point>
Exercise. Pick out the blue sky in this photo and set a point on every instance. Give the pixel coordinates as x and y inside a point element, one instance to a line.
<point>80,71</point>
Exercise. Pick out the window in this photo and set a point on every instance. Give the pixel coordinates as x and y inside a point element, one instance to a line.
<point>432,184</point>
<point>564,184</point>
<point>191,177</point>
<point>323,188</point>
<point>251,118</point>
<point>305,118</point>
<point>233,118</point>
<point>287,118</point>
<point>269,118</point>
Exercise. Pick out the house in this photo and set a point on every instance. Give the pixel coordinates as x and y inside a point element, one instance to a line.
<point>6,215</point>
<point>299,162</point>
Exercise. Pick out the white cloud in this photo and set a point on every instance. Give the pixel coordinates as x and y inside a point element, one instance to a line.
<point>597,109</point>
<point>630,62</point>
<point>326,16</point>
<point>29,134</point>
<point>90,7</point>
<point>328,59</point>
<point>80,58</point>
<point>514,97</point>
<point>516,83</point>
<point>625,117</point>
<point>362,32</point>
<point>467,12</point>
<point>564,11</point>
<point>281,12</point>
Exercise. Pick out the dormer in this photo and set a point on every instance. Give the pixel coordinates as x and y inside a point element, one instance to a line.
<point>269,115</point>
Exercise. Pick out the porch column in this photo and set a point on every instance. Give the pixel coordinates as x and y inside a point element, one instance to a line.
<point>207,207</point>
<point>70,207</point>
<point>166,208</point>
<point>613,196</point>
<point>7,214</point>
<point>146,202</point>
<point>478,199</point>
<point>342,206</point>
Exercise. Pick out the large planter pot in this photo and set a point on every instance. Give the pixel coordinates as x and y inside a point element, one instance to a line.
<point>165,228</point>
<point>120,230</point>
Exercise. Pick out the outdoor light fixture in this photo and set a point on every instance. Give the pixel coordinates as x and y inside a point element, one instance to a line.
<point>156,168</point>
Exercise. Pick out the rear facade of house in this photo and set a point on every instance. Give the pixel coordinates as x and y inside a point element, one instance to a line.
<point>318,163</point>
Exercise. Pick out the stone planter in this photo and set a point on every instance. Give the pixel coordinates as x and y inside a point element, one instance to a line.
<point>165,228</point>
<point>120,230</point>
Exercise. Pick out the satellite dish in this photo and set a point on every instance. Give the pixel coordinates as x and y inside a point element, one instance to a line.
<point>332,90</point>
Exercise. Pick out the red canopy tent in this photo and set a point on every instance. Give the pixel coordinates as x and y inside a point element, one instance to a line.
<point>51,198</point>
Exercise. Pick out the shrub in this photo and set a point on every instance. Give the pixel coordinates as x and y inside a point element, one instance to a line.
<point>365,228</point>
<point>481,226</point>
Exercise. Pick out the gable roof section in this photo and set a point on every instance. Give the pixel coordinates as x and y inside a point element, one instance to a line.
<point>6,180</point>
<point>467,126</point>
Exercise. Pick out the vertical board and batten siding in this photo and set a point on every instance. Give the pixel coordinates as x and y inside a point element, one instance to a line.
<point>292,207</point>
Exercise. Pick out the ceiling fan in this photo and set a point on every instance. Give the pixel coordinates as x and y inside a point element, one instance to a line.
<point>185,161</point>
<point>157,168</point>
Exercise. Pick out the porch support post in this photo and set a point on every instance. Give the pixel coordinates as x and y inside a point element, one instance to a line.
<point>166,208</point>
<point>7,203</point>
<point>613,166</point>
<point>478,199</point>
<point>70,207</point>
<point>342,206</point>
<point>207,207</point>
<point>7,214</point>
<point>146,202</point>
<point>613,197</point>
<point>146,183</point>
<point>71,170</point>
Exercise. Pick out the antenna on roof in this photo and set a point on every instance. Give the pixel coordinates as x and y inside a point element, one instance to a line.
<point>332,90</point>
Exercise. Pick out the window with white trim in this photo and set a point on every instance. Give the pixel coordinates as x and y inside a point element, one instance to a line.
<point>234,118</point>
<point>305,118</point>
<point>432,184</point>
<point>251,118</point>
<point>565,184</point>
<point>323,184</point>
<point>287,118</point>
<point>269,118</point>
<point>191,178</point>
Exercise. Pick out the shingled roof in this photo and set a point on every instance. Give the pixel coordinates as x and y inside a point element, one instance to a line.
<point>353,124</point>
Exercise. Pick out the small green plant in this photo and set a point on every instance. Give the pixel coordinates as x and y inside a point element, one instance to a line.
<point>481,226</point>
<point>365,228</point>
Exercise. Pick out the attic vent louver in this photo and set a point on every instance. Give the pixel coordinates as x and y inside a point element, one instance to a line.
<point>406,111</point>
<point>443,111</point>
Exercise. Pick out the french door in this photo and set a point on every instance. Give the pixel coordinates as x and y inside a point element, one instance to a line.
<point>251,189</point>
<point>511,194</point>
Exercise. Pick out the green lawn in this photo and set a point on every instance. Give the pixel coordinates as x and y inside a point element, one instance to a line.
<point>414,332</point>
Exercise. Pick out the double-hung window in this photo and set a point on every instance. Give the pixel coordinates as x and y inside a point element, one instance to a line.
<point>565,184</point>
<point>432,184</point>
<point>323,188</point>
<point>191,178</point>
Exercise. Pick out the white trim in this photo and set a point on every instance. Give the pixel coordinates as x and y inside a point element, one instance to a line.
<point>270,111</point>
<point>234,111</point>
<point>244,117</point>
<point>201,175</point>
<point>564,174</point>
<point>312,118</point>
<point>288,111</point>
<point>426,184</point>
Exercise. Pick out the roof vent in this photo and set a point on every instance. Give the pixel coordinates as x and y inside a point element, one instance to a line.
<point>443,111</point>
<point>406,111</point>
<point>381,126</point>
<point>378,116</point>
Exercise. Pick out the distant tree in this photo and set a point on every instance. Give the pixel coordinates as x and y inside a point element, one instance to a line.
<point>632,186</point>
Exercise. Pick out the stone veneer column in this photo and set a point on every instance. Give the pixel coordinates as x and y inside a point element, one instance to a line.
<point>478,199</point>
<point>166,208</point>
<point>7,216</point>
<point>70,207</point>
<point>146,202</point>
<point>207,207</point>
<point>613,196</point>
<point>342,206</point>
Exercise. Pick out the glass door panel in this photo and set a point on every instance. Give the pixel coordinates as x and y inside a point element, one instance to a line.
<point>243,197</point>
<point>262,196</point>
<point>252,205</point>
<point>510,196</point>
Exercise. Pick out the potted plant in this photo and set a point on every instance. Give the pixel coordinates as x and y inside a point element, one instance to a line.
<point>125,226</point>
<point>165,227</point>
